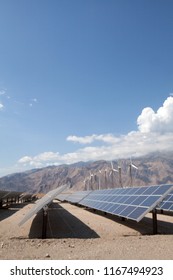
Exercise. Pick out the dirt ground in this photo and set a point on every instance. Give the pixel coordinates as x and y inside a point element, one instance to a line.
<point>77,233</point>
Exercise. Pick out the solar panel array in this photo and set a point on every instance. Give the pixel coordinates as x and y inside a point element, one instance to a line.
<point>8,195</point>
<point>62,196</point>
<point>26,196</point>
<point>76,197</point>
<point>131,203</point>
<point>41,203</point>
<point>167,203</point>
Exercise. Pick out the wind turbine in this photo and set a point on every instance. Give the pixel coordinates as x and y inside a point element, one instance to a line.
<point>91,180</point>
<point>99,177</point>
<point>131,165</point>
<point>112,173</point>
<point>85,184</point>
<point>120,175</point>
<point>105,171</point>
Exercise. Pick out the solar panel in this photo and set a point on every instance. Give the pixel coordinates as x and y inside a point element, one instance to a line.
<point>131,203</point>
<point>12,194</point>
<point>76,197</point>
<point>26,196</point>
<point>167,203</point>
<point>62,196</point>
<point>5,195</point>
<point>41,203</point>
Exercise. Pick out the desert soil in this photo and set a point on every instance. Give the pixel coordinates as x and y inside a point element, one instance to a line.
<point>77,233</point>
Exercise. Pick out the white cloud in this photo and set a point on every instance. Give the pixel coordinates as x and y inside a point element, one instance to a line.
<point>107,138</point>
<point>159,122</point>
<point>2,92</point>
<point>33,100</point>
<point>132,145</point>
<point>25,159</point>
<point>1,106</point>
<point>155,133</point>
<point>81,140</point>
<point>46,158</point>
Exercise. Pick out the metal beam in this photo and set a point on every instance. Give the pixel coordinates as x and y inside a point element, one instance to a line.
<point>154,214</point>
<point>44,226</point>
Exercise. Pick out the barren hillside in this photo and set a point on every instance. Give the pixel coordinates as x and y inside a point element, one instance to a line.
<point>152,169</point>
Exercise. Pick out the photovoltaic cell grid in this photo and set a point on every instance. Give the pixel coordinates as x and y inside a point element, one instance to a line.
<point>62,196</point>
<point>167,203</point>
<point>131,203</point>
<point>41,203</point>
<point>76,197</point>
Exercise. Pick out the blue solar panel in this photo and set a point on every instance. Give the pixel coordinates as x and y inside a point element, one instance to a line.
<point>42,202</point>
<point>167,203</point>
<point>131,203</point>
<point>76,197</point>
<point>136,213</point>
<point>63,196</point>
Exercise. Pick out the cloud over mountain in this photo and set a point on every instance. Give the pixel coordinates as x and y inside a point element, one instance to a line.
<point>154,133</point>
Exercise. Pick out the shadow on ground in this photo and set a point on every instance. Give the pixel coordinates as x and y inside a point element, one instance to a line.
<point>144,227</point>
<point>61,224</point>
<point>10,210</point>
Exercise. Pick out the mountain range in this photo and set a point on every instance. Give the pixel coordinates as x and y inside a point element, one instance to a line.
<point>152,169</point>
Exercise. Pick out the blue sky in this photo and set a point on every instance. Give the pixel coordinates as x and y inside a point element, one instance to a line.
<point>84,80</point>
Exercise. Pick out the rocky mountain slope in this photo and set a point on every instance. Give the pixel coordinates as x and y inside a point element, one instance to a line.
<point>152,169</point>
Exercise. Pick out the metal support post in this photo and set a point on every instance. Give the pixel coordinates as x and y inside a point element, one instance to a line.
<point>154,213</point>
<point>44,227</point>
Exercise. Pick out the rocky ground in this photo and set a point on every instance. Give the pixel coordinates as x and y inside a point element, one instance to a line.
<point>76,233</point>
